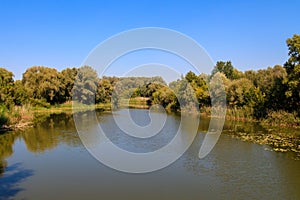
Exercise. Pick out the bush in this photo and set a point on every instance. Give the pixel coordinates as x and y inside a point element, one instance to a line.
<point>40,103</point>
<point>281,118</point>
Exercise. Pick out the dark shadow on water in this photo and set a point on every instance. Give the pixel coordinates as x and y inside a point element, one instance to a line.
<point>9,182</point>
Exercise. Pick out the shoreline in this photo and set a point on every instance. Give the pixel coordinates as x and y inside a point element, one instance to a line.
<point>69,108</point>
<point>279,142</point>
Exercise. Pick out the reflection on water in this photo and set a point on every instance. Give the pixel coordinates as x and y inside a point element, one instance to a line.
<point>48,132</point>
<point>9,183</point>
<point>48,161</point>
<point>3,165</point>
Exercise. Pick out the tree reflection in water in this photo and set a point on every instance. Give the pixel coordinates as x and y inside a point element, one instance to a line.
<point>49,131</point>
<point>9,182</point>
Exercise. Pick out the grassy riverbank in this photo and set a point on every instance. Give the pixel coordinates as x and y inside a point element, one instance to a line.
<point>69,107</point>
<point>22,116</point>
<point>281,129</point>
<point>17,117</point>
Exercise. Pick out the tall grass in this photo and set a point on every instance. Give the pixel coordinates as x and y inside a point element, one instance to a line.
<point>281,118</point>
<point>17,116</point>
<point>20,114</point>
<point>239,114</point>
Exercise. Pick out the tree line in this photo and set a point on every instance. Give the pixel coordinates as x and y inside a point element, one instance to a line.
<point>257,92</point>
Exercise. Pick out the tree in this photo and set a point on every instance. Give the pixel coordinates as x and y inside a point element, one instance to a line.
<point>185,94</point>
<point>292,67</point>
<point>85,85</point>
<point>218,86</point>
<point>271,83</point>
<point>190,76</point>
<point>43,83</point>
<point>6,87</point>
<point>166,98</point>
<point>20,93</point>
<point>224,67</point>
<point>200,87</point>
<point>104,91</point>
<point>241,93</point>
<point>68,77</point>
<point>148,89</point>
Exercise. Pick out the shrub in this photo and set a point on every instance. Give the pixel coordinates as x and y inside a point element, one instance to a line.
<point>281,118</point>
<point>40,103</point>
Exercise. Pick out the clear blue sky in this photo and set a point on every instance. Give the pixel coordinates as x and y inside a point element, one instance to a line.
<point>60,34</point>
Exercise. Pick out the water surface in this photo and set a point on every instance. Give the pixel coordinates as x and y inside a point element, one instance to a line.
<point>50,162</point>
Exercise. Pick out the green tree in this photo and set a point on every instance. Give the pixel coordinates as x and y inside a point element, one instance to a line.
<point>224,67</point>
<point>67,77</point>
<point>148,89</point>
<point>6,87</point>
<point>241,93</point>
<point>191,77</point>
<point>166,97</point>
<point>218,86</point>
<point>199,84</point>
<point>104,91</point>
<point>20,93</point>
<point>271,83</point>
<point>85,85</point>
<point>43,83</point>
<point>185,94</point>
<point>292,67</point>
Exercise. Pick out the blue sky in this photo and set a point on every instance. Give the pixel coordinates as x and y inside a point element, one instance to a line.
<point>60,34</point>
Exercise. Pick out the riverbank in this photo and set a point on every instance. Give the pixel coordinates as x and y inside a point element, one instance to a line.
<point>282,141</point>
<point>16,118</point>
<point>69,107</point>
<point>274,118</point>
<point>22,116</point>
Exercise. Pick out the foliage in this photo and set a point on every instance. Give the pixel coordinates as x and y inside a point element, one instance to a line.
<point>85,86</point>
<point>267,94</point>
<point>67,79</point>
<point>20,95</point>
<point>148,89</point>
<point>292,67</point>
<point>281,118</point>
<point>271,83</point>
<point>104,91</point>
<point>185,94</point>
<point>242,92</point>
<point>6,87</point>
<point>218,86</point>
<point>224,67</point>
<point>166,97</point>
<point>200,86</point>
<point>43,83</point>
<point>3,115</point>
<point>39,103</point>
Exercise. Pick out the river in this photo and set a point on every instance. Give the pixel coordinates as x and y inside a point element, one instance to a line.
<point>49,161</point>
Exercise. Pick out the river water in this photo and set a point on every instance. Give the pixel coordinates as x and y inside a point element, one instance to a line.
<point>49,161</point>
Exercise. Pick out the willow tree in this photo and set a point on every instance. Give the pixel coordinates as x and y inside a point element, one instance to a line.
<point>85,85</point>
<point>43,83</point>
<point>292,67</point>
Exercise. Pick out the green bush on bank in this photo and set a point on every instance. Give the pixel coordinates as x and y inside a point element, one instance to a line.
<point>15,116</point>
<point>281,118</point>
<point>40,103</point>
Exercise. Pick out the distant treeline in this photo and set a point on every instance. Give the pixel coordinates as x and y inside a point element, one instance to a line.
<point>258,92</point>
